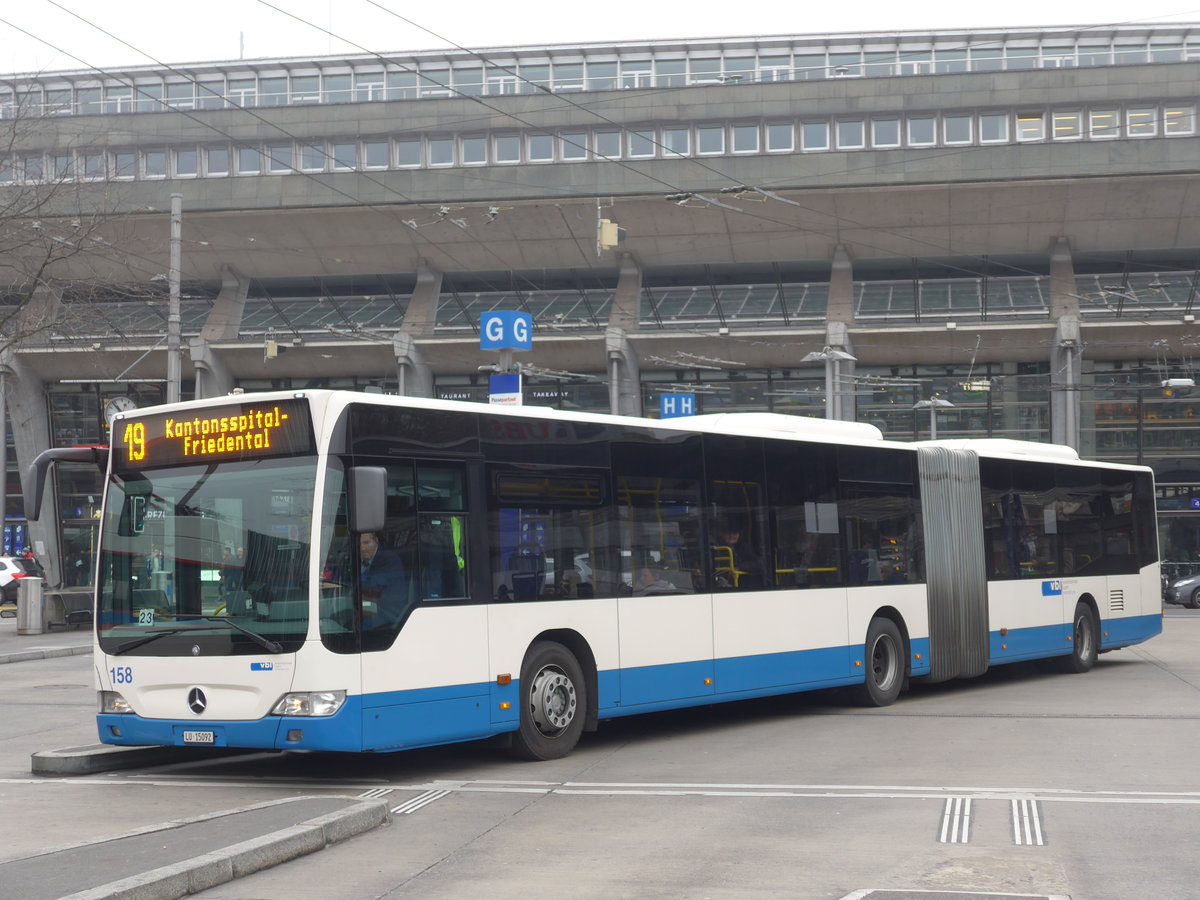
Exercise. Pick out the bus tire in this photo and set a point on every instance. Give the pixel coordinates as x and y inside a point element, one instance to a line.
<point>883,655</point>
<point>1085,642</point>
<point>553,703</point>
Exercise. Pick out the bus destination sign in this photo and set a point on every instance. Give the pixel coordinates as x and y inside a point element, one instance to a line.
<point>236,431</point>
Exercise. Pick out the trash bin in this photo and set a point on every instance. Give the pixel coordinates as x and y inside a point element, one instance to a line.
<point>31,607</point>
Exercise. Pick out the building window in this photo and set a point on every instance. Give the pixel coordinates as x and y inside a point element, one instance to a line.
<point>507,148</point>
<point>154,163</point>
<point>1179,120</point>
<point>885,133</point>
<point>375,154</point>
<point>187,163</point>
<point>88,101</point>
<point>118,98</point>
<point>181,95</point>
<point>272,92</point>
<point>850,134</point>
<point>745,138</point>
<point>312,157</point>
<point>1068,125</point>
<point>1141,121</point>
<point>781,137</point>
<point>408,154</point>
<point>243,92</point>
<point>601,76</point>
<point>670,72</point>
<point>306,89</point>
<point>922,131</point>
<point>993,128</point>
<point>956,129</point>
<point>401,85</point>
<point>248,161</point>
<point>573,145</point>
<point>607,144</point>
<point>279,158</point>
<point>93,165</point>
<point>336,89</point>
<point>641,144</point>
<point>124,164</point>
<point>210,94</point>
<point>814,136</point>
<point>368,86</point>
<point>216,160</point>
<point>1104,123</point>
<point>1031,126</point>
<point>441,152</point>
<point>474,151</point>
<point>677,141</point>
<point>32,169</point>
<point>710,140</point>
<point>345,156</point>
<point>540,148</point>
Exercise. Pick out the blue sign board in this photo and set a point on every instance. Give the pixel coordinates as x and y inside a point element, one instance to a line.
<point>506,330</point>
<point>672,406</point>
<point>505,390</point>
<point>1196,503</point>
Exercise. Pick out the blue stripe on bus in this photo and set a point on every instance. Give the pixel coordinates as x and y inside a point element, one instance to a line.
<point>396,720</point>
<point>1055,640</point>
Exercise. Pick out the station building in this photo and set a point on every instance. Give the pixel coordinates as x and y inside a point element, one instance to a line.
<point>986,232</point>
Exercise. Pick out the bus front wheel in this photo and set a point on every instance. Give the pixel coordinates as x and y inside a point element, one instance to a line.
<point>1085,642</point>
<point>884,660</point>
<point>553,703</point>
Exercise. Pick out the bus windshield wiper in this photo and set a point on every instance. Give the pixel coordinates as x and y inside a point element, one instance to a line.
<point>270,645</point>
<point>144,639</point>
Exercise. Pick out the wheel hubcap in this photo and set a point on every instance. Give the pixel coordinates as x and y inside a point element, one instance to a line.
<point>552,701</point>
<point>884,663</point>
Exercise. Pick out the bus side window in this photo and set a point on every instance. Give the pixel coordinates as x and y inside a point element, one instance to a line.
<point>441,537</point>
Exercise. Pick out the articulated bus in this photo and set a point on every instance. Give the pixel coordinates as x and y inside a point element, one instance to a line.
<point>334,571</point>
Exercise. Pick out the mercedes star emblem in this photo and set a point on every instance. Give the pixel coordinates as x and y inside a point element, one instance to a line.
<point>197,702</point>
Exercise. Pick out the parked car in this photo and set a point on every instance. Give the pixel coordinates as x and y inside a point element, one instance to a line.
<point>12,570</point>
<point>1185,591</point>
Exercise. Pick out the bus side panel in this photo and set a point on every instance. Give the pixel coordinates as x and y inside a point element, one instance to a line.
<point>776,638</point>
<point>910,601</point>
<point>431,685</point>
<point>1134,609</point>
<point>513,627</point>
<point>666,646</point>
<point>1032,613</point>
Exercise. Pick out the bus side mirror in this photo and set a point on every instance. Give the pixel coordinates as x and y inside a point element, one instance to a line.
<point>368,498</point>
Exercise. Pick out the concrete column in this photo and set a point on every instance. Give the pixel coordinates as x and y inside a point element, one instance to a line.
<point>414,375</point>
<point>840,374</point>
<point>624,375</point>
<point>841,288</point>
<point>225,320</point>
<point>29,413</point>
<point>213,376</point>
<point>626,310</point>
<point>420,320</point>
<point>1065,363</point>
<point>1066,353</point>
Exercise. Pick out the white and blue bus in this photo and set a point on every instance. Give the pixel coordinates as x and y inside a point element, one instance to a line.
<point>325,570</point>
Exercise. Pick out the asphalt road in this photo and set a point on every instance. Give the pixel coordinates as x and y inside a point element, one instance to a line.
<point>1019,782</point>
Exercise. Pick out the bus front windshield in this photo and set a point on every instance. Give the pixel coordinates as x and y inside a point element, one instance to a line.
<point>207,560</point>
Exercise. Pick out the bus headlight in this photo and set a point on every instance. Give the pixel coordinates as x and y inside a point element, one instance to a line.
<point>309,703</point>
<point>113,703</point>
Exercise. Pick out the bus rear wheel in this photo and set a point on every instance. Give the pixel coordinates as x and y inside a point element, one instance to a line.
<point>553,703</point>
<point>884,659</point>
<point>1085,642</point>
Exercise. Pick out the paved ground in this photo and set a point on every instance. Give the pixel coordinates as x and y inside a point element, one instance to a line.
<point>171,859</point>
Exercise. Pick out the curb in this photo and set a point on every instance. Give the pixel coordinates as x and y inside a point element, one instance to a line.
<point>93,758</point>
<point>222,866</point>
<point>44,653</point>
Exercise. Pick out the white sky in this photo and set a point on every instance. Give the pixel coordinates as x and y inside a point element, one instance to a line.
<point>174,31</point>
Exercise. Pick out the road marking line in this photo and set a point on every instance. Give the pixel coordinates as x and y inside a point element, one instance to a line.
<point>375,793</point>
<point>1027,823</point>
<point>956,821</point>
<point>417,802</point>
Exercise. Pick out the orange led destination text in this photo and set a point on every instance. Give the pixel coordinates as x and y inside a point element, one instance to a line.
<point>225,434</point>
